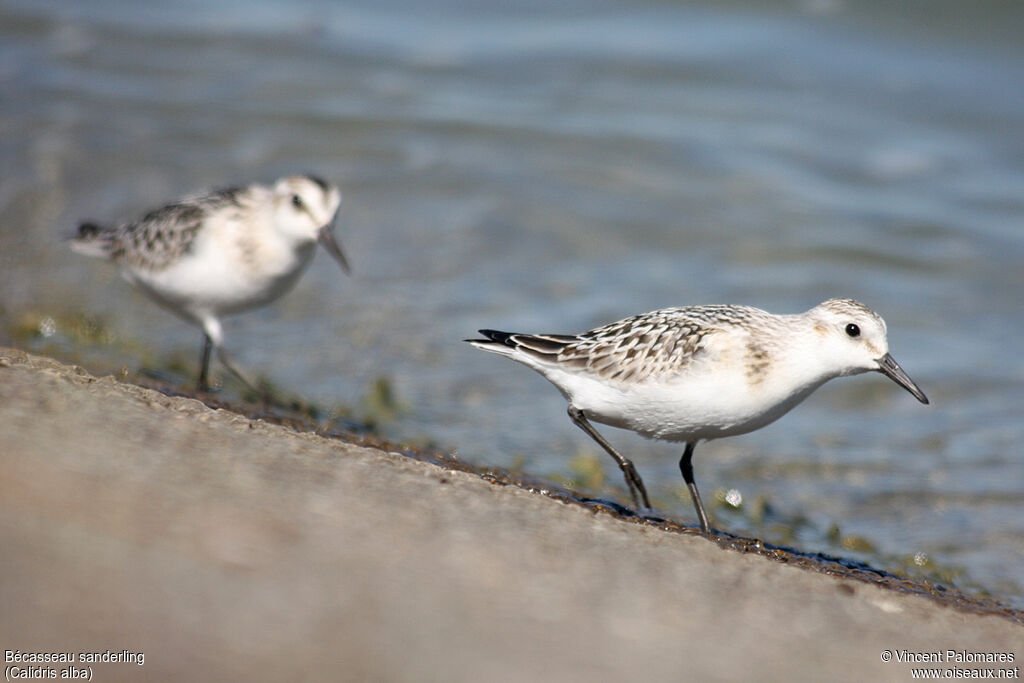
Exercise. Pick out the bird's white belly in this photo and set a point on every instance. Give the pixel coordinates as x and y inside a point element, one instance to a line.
<point>210,283</point>
<point>688,408</point>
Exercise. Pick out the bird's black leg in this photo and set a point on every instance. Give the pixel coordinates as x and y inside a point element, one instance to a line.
<point>686,467</point>
<point>225,358</point>
<point>204,364</point>
<point>633,480</point>
<point>215,337</point>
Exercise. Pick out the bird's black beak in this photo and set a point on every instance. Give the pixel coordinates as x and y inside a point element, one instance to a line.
<point>888,366</point>
<point>327,241</point>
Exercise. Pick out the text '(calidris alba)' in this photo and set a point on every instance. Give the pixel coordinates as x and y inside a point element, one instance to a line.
<point>701,372</point>
<point>228,251</point>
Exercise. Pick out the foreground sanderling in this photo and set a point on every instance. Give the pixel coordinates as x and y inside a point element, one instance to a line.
<point>701,372</point>
<point>228,251</point>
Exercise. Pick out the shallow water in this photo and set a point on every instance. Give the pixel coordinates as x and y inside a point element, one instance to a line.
<point>555,168</point>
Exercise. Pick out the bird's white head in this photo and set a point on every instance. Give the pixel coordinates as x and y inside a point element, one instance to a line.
<point>305,208</point>
<point>853,337</point>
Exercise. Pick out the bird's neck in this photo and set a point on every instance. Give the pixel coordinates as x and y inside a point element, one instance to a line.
<point>804,359</point>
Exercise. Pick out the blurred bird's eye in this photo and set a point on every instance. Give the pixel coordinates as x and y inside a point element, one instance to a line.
<point>852,330</point>
<point>296,201</point>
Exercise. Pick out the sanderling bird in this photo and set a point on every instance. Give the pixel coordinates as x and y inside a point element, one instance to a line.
<point>701,372</point>
<point>224,252</point>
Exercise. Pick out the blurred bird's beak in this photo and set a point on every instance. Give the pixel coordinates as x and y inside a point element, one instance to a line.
<point>327,241</point>
<point>888,366</point>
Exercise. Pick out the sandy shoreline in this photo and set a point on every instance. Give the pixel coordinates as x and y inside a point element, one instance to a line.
<point>226,548</point>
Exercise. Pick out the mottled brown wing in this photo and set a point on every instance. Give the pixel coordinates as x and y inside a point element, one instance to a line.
<point>662,342</point>
<point>658,343</point>
<point>163,235</point>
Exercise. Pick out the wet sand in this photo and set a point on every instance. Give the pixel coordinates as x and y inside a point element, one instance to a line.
<point>227,548</point>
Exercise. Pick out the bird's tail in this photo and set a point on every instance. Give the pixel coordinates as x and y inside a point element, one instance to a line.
<point>496,342</point>
<point>93,240</point>
<point>539,346</point>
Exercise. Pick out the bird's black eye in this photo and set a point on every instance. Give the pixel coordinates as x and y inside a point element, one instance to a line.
<point>296,201</point>
<point>852,330</point>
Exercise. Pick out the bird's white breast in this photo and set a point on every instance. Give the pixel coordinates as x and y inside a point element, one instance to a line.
<point>722,393</point>
<point>233,265</point>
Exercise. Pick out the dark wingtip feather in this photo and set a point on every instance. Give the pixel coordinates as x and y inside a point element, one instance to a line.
<point>91,239</point>
<point>498,336</point>
<point>88,230</point>
<point>493,337</point>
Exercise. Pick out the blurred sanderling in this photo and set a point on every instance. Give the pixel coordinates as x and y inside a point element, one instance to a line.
<point>701,372</point>
<point>224,252</point>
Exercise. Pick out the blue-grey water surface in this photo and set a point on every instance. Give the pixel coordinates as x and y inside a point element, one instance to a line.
<point>549,167</point>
